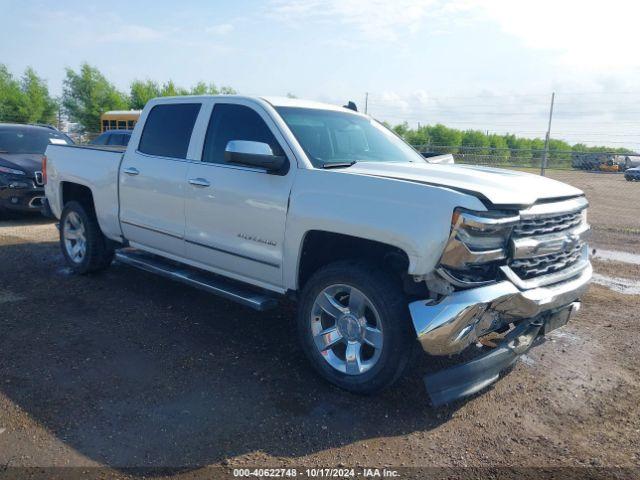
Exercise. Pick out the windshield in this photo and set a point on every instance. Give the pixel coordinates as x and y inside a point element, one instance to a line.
<point>29,140</point>
<point>329,137</point>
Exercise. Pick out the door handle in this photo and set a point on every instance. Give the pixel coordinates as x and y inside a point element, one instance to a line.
<point>199,182</point>
<point>131,171</point>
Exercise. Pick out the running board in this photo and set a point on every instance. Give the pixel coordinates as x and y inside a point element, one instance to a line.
<point>197,278</point>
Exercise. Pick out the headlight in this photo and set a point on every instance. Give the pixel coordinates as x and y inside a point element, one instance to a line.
<point>11,171</point>
<point>478,240</point>
<point>480,230</point>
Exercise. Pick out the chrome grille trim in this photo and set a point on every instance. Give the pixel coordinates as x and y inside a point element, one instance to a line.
<point>548,245</point>
<point>536,266</point>
<point>544,280</point>
<point>543,225</point>
<point>38,178</point>
<point>538,246</point>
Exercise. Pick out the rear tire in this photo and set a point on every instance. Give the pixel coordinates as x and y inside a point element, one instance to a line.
<point>84,246</point>
<point>383,322</point>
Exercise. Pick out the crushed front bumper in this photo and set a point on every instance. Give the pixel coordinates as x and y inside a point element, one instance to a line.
<point>460,319</point>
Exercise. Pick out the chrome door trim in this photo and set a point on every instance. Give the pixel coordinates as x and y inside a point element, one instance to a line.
<point>239,255</point>
<point>151,229</point>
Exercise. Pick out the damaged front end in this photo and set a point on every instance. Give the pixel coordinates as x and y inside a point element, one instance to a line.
<point>515,275</point>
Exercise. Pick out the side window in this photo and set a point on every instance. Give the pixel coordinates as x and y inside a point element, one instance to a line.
<point>168,128</point>
<point>115,139</point>
<point>235,122</point>
<point>102,139</point>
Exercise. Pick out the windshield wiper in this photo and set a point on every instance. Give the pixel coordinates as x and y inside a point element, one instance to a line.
<point>338,164</point>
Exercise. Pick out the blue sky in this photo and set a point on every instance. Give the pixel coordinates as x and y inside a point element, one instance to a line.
<point>488,64</point>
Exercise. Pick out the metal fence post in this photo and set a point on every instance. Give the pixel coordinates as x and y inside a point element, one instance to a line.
<point>543,165</point>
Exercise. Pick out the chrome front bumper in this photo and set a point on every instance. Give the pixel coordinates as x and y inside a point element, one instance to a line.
<point>458,320</point>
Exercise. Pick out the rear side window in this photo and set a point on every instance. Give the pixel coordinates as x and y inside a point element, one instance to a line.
<point>118,139</point>
<point>102,139</point>
<point>235,122</point>
<point>168,128</point>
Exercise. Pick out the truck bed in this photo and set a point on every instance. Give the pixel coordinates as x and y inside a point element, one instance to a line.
<point>93,166</point>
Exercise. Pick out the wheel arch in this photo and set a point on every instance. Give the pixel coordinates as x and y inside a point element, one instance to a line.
<point>73,191</point>
<point>321,247</point>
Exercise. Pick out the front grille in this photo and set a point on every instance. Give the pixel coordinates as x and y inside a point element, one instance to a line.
<point>563,229</point>
<point>527,268</point>
<point>547,224</point>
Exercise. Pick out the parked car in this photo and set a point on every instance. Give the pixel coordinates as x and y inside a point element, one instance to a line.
<point>21,151</point>
<point>632,174</point>
<point>113,138</point>
<point>631,161</point>
<point>324,205</point>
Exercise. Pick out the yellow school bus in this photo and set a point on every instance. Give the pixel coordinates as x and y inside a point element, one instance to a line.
<point>119,120</point>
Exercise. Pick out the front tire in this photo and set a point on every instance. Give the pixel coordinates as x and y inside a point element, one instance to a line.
<point>354,327</point>
<point>83,244</point>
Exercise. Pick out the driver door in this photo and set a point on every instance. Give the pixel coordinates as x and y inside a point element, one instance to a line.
<point>235,215</point>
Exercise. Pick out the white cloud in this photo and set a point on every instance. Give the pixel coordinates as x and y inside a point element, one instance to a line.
<point>221,29</point>
<point>376,19</point>
<point>586,33</point>
<point>132,33</point>
<point>589,34</point>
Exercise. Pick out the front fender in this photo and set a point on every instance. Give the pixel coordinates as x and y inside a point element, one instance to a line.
<point>415,218</point>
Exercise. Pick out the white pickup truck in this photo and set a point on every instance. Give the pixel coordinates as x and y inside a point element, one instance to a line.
<point>259,198</point>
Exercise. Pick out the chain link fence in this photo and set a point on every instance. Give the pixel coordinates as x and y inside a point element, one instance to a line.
<point>532,158</point>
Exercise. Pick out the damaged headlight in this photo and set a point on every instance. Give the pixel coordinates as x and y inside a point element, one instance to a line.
<point>478,241</point>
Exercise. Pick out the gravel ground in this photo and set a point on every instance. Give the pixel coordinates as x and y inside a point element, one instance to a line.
<point>125,369</point>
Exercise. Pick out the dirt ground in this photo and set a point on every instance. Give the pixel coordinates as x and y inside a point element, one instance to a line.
<point>125,369</point>
<point>614,207</point>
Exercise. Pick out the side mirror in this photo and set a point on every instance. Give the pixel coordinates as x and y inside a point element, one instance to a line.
<point>255,154</point>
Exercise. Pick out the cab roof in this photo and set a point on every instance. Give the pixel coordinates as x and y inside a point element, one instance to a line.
<point>274,101</point>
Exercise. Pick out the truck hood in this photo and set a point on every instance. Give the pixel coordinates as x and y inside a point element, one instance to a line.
<point>498,186</point>
<point>27,162</point>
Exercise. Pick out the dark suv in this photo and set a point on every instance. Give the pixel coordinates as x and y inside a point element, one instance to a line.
<point>21,150</point>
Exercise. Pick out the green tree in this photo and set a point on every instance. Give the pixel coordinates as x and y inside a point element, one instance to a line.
<point>537,148</point>
<point>11,98</point>
<point>141,92</point>
<point>87,94</point>
<point>169,89</point>
<point>227,90</point>
<point>26,100</point>
<point>39,107</point>
<point>446,140</point>
<point>476,142</point>
<point>401,129</point>
<point>499,147</point>
<point>521,148</point>
<point>419,138</point>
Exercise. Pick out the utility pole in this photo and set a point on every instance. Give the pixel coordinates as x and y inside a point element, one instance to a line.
<point>366,102</point>
<point>543,165</point>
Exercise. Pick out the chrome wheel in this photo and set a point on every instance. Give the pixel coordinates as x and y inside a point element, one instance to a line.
<point>346,329</point>
<point>75,239</point>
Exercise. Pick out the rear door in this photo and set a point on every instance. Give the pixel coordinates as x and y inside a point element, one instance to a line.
<point>235,215</point>
<point>153,179</point>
